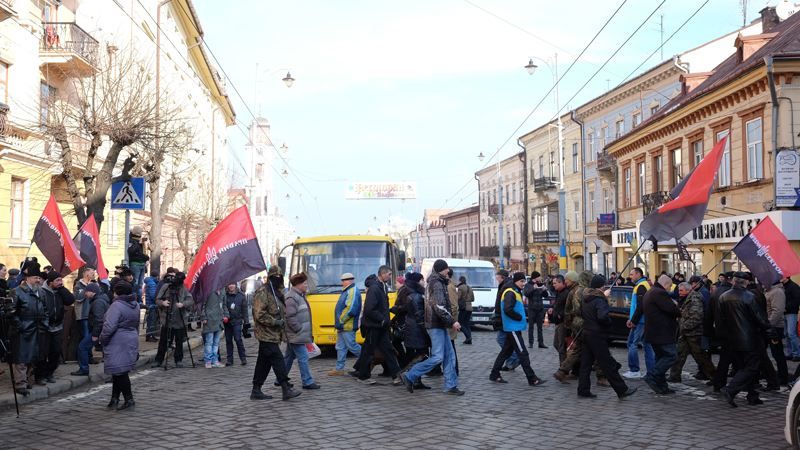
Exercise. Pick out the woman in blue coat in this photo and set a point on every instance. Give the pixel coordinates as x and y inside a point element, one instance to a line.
<point>120,340</point>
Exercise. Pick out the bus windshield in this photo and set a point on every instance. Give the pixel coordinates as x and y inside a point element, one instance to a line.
<point>477,277</point>
<point>325,262</point>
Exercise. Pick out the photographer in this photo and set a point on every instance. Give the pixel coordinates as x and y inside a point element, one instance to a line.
<point>173,302</point>
<point>236,306</point>
<point>137,260</point>
<point>56,297</point>
<point>28,322</point>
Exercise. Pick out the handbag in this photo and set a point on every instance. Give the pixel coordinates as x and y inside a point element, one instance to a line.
<point>313,350</point>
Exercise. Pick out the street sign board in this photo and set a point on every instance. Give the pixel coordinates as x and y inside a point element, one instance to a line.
<point>128,194</point>
<point>382,190</point>
<point>787,178</point>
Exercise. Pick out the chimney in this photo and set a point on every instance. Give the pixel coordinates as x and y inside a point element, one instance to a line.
<point>769,18</point>
<point>689,81</point>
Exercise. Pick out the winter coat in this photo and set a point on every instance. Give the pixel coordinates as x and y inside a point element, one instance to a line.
<point>28,322</point>
<point>3,287</point>
<point>120,335</point>
<point>268,306</point>
<point>236,305</point>
<point>414,334</point>
<point>776,305</point>
<point>150,290</point>
<point>572,310</point>
<point>497,320</point>
<point>97,313</point>
<point>792,296</point>
<point>535,295</point>
<point>298,318</point>
<point>691,320</point>
<point>376,304</point>
<point>55,301</point>
<point>212,313</point>
<point>741,323</point>
<point>660,314</point>
<point>594,311</point>
<point>465,297</point>
<point>513,310</point>
<point>452,294</point>
<point>561,303</point>
<point>179,317</point>
<point>348,309</point>
<point>438,310</point>
<point>82,307</point>
<point>136,251</point>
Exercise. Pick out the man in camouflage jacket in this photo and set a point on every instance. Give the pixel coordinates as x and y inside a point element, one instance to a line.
<point>690,332</point>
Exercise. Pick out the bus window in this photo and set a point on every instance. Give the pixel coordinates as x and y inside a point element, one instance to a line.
<point>325,262</point>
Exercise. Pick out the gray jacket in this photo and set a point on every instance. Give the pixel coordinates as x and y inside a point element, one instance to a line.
<point>179,319</point>
<point>776,305</point>
<point>81,307</point>
<point>213,312</point>
<point>298,318</point>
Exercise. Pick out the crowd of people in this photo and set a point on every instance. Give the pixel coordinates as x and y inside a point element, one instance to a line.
<point>669,317</point>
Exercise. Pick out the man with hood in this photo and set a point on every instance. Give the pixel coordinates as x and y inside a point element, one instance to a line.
<point>596,324</point>
<point>465,299</point>
<point>573,320</point>
<point>415,338</point>
<point>346,317</point>
<point>269,322</point>
<point>375,327</point>
<point>535,291</point>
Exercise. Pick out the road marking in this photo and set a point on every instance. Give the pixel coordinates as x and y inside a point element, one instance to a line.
<point>102,387</point>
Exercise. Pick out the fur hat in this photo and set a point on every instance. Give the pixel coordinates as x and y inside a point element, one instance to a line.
<point>298,278</point>
<point>503,273</point>
<point>518,276</point>
<point>274,271</point>
<point>439,265</point>
<point>598,281</point>
<point>52,276</point>
<point>123,288</point>
<point>571,276</point>
<point>31,269</point>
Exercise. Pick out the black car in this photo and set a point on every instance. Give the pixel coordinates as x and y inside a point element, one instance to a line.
<point>620,302</point>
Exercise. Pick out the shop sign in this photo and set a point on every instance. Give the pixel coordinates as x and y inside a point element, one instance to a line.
<point>606,222</point>
<point>787,178</point>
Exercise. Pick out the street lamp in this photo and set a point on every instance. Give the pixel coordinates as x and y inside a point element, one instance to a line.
<point>481,157</point>
<point>288,79</point>
<point>562,202</point>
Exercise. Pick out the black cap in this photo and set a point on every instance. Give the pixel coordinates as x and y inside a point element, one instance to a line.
<point>123,288</point>
<point>743,275</point>
<point>695,279</point>
<point>535,274</point>
<point>518,276</point>
<point>597,282</point>
<point>439,265</point>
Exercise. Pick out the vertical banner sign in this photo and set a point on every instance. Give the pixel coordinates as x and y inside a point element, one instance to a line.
<point>787,178</point>
<point>51,235</point>
<point>683,252</point>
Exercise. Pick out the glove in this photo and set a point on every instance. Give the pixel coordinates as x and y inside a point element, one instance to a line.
<point>279,323</point>
<point>225,320</point>
<point>246,327</point>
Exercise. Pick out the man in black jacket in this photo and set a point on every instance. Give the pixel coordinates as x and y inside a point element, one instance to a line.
<point>790,318</point>
<point>535,291</point>
<point>137,259</point>
<point>237,320</point>
<point>725,356</point>
<point>55,296</point>
<point>375,325</point>
<point>596,323</point>
<point>563,288</point>
<point>744,327</point>
<point>660,330</point>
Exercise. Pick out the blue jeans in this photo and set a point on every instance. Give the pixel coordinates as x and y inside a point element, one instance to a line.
<point>635,337</point>
<point>152,321</point>
<point>298,351</point>
<point>346,341</point>
<point>513,361</point>
<point>790,328</point>
<point>233,332</point>
<point>85,346</point>
<point>666,355</point>
<point>211,346</point>
<point>441,352</point>
<point>138,270</point>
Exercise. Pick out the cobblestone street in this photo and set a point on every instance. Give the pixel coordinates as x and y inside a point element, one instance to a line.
<point>211,409</point>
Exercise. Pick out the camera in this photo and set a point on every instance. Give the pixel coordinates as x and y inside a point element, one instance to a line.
<point>177,279</point>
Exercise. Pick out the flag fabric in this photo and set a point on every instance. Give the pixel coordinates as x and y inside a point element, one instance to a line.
<point>767,253</point>
<point>88,243</point>
<point>229,254</point>
<point>51,235</point>
<point>685,211</point>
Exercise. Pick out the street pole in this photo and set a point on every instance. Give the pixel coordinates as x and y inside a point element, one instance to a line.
<point>127,237</point>
<point>500,247</point>
<point>562,196</point>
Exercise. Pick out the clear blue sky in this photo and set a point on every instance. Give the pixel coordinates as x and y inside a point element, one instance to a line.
<point>416,89</point>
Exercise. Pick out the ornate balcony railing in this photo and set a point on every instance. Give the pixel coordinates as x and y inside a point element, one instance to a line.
<point>4,125</point>
<point>68,37</point>
<point>545,236</point>
<point>651,202</point>
<point>493,251</point>
<point>544,183</point>
<point>605,162</point>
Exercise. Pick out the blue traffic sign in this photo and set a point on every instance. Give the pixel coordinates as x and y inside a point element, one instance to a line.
<point>128,194</point>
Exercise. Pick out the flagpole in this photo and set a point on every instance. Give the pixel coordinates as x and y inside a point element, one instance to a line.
<point>630,260</point>
<point>728,253</point>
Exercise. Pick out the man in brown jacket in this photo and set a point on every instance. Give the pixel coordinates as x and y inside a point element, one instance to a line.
<point>465,299</point>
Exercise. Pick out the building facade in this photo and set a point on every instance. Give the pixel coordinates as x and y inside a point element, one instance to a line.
<point>501,190</point>
<point>428,239</point>
<point>461,233</point>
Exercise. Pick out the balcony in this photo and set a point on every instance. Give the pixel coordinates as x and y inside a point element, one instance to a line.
<point>7,10</point>
<point>493,251</point>
<point>4,125</point>
<point>545,236</point>
<point>651,202</point>
<point>544,183</point>
<point>66,47</point>
<point>605,162</point>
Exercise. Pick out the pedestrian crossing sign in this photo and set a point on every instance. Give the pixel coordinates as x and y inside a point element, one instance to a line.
<point>128,194</point>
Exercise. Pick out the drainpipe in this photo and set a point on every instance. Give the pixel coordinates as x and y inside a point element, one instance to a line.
<point>775,111</point>
<point>574,118</point>
<point>683,67</point>
<point>523,156</point>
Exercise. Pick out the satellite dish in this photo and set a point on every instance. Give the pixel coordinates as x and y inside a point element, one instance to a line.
<point>785,8</point>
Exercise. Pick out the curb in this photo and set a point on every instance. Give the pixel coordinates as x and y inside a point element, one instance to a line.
<point>69,382</point>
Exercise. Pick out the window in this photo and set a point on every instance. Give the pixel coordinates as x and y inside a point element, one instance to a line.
<point>654,108</point>
<point>111,227</point>
<point>576,215</point>
<point>641,172</point>
<point>258,206</point>
<point>552,164</point>
<point>755,155</point>
<point>724,177</point>
<point>697,152</point>
<point>658,169</point>
<point>47,96</point>
<point>18,208</point>
<point>514,193</point>
<point>575,157</point>
<point>506,189</point>
<point>627,188</point>
<point>514,235</point>
<point>603,137</point>
<point>3,82</point>
<point>637,119</point>
<point>606,201</point>
<point>494,196</point>
<point>541,166</point>
<point>592,149</point>
<point>591,206</point>
<point>620,128</point>
<point>675,161</point>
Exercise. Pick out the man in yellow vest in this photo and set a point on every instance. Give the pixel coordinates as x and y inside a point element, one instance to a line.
<point>641,286</point>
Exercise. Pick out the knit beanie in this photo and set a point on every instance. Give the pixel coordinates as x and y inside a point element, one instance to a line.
<point>571,276</point>
<point>519,276</point>
<point>439,265</point>
<point>598,281</point>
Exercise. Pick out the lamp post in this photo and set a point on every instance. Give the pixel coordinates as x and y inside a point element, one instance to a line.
<point>500,234</point>
<point>562,202</point>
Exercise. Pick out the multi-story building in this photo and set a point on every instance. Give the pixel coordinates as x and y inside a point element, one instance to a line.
<point>747,98</point>
<point>614,115</point>
<point>542,150</point>
<point>47,49</point>
<point>428,239</point>
<point>461,233</point>
<point>501,188</point>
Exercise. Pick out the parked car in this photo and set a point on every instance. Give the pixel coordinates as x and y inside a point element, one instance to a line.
<point>620,301</point>
<point>792,428</point>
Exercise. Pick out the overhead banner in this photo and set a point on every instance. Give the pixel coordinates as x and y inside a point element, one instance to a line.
<point>381,191</point>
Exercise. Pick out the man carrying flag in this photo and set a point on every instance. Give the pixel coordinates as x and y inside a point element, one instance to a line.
<point>51,235</point>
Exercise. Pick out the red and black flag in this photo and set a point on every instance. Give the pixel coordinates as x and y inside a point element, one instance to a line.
<point>767,253</point>
<point>88,243</point>
<point>685,211</point>
<point>229,254</point>
<point>52,237</point>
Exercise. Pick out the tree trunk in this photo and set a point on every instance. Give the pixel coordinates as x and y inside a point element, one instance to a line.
<point>96,199</point>
<point>60,136</point>
<point>154,186</point>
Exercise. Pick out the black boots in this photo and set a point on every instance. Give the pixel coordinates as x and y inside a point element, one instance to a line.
<point>288,392</point>
<point>129,403</point>
<point>256,394</point>
<point>113,403</point>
